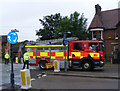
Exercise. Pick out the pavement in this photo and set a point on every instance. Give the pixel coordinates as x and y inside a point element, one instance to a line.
<point>109,71</point>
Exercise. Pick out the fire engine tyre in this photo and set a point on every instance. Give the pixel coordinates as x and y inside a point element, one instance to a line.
<point>42,65</point>
<point>87,65</point>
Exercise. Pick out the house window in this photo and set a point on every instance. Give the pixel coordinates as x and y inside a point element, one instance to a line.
<point>94,35</point>
<point>116,34</point>
<point>100,35</point>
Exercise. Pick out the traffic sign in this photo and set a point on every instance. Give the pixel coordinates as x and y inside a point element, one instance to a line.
<point>65,41</point>
<point>12,37</point>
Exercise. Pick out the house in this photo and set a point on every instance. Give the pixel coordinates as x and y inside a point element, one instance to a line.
<point>5,45</point>
<point>0,47</point>
<point>118,25</point>
<point>17,51</point>
<point>103,26</point>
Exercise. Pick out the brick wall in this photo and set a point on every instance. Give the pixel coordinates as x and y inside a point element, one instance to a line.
<point>0,48</point>
<point>119,38</point>
<point>90,35</point>
<point>109,42</point>
<point>119,43</point>
<point>5,45</point>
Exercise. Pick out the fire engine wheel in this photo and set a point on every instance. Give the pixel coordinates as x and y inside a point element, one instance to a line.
<point>87,65</point>
<point>42,65</point>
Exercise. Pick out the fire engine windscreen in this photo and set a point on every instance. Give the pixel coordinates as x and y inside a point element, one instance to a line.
<point>93,46</point>
<point>101,46</point>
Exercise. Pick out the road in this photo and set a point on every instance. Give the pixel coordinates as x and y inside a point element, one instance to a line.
<point>61,82</point>
<point>67,82</point>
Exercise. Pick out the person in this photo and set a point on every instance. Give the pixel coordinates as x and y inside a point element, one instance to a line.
<point>7,58</point>
<point>90,47</point>
<point>26,59</point>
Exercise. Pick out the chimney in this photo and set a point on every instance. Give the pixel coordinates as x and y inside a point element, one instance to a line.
<point>98,9</point>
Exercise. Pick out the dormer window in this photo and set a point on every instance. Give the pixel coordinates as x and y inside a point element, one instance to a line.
<point>116,34</point>
<point>100,35</point>
<point>94,35</point>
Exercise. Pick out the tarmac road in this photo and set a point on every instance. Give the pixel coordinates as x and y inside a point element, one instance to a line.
<point>68,82</point>
<point>109,70</point>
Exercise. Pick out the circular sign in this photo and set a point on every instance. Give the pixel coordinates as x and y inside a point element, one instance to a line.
<point>12,37</point>
<point>65,41</point>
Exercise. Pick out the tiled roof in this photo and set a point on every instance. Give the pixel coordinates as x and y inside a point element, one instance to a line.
<point>107,19</point>
<point>96,22</point>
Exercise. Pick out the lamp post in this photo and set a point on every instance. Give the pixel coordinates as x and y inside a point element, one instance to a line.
<point>12,72</point>
<point>65,43</point>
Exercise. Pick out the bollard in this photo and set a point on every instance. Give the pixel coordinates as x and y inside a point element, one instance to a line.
<point>25,79</point>
<point>56,66</point>
<point>16,60</point>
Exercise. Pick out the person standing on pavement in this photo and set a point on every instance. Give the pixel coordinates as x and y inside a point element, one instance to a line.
<point>7,58</point>
<point>26,59</point>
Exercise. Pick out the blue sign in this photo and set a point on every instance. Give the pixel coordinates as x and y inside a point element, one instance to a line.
<point>12,37</point>
<point>65,41</point>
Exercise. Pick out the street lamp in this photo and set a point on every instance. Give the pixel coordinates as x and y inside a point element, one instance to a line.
<point>12,72</point>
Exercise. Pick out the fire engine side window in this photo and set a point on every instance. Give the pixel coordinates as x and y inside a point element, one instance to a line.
<point>77,46</point>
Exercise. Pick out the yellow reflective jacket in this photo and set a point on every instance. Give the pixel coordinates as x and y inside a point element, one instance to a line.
<point>26,57</point>
<point>7,56</point>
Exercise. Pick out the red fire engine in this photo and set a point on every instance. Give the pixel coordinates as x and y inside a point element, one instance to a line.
<point>85,54</point>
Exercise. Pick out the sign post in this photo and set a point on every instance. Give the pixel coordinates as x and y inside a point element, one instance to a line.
<point>65,43</point>
<point>12,37</point>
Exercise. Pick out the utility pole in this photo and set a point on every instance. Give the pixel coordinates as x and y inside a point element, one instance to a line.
<point>12,37</point>
<point>12,73</point>
<point>65,43</point>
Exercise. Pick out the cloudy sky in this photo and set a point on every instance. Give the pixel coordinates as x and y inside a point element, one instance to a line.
<point>24,15</point>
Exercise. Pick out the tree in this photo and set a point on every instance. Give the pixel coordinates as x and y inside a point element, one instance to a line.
<point>55,26</point>
<point>75,26</point>
<point>50,24</point>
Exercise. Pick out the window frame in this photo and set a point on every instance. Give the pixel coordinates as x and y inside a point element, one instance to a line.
<point>100,35</point>
<point>94,34</point>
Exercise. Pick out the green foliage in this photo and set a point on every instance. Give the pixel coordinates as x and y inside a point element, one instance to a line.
<point>50,24</point>
<point>54,26</point>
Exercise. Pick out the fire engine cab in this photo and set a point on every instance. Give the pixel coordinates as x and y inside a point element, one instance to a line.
<point>79,54</point>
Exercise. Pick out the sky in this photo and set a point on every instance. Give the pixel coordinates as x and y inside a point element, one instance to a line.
<point>24,15</point>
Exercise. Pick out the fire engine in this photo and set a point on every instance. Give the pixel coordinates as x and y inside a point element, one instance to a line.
<point>79,54</point>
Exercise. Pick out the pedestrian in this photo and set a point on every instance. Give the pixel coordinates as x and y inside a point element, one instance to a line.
<point>26,59</point>
<point>7,58</point>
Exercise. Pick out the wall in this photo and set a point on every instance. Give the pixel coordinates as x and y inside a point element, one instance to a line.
<point>0,47</point>
<point>119,38</point>
<point>110,42</point>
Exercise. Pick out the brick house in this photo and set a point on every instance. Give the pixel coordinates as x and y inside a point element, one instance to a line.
<point>5,45</point>
<point>118,25</point>
<point>0,47</point>
<point>103,26</point>
<point>17,51</point>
